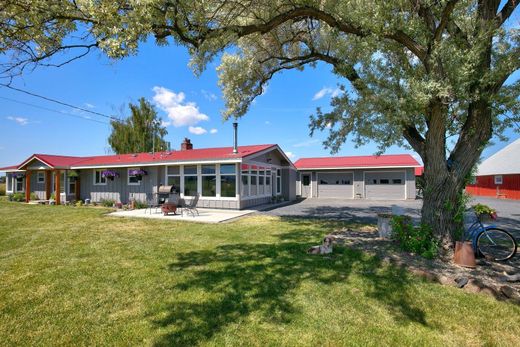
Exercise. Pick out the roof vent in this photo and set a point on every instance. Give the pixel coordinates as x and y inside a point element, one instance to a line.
<point>235,138</point>
<point>134,155</point>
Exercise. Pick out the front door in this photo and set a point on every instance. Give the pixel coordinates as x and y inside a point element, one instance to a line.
<point>306,185</point>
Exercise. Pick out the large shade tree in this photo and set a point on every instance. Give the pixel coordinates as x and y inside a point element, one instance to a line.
<point>415,72</point>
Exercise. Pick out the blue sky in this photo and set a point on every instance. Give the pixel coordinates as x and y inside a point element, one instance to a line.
<point>162,75</point>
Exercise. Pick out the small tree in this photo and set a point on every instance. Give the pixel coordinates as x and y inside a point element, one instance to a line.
<point>141,132</point>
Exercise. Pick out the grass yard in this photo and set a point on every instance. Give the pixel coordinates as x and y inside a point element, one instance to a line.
<point>72,276</point>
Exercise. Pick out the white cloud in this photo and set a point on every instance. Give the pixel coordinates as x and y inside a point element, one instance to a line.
<point>327,91</point>
<point>19,120</point>
<point>89,105</point>
<point>197,130</point>
<point>267,122</point>
<point>290,155</point>
<point>213,131</point>
<point>209,95</point>
<point>180,112</point>
<point>306,143</point>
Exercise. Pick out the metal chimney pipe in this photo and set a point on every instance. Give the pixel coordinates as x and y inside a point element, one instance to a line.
<point>235,137</point>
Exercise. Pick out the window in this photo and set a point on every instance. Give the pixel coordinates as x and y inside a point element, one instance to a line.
<point>228,180</point>
<point>173,177</point>
<point>209,180</point>
<point>384,181</point>
<point>190,180</point>
<point>40,177</point>
<point>279,181</point>
<point>9,183</point>
<point>245,180</point>
<point>133,180</point>
<point>98,179</point>
<point>397,181</point>
<point>261,178</point>
<point>254,181</point>
<point>498,179</point>
<point>72,186</point>
<point>19,184</point>
<point>268,182</point>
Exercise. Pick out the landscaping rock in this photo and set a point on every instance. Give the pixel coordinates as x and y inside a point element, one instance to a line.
<point>461,281</point>
<point>473,286</point>
<point>510,292</point>
<point>446,281</point>
<point>513,278</point>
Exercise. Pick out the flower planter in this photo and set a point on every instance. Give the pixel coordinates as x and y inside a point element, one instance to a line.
<point>384,227</point>
<point>464,254</point>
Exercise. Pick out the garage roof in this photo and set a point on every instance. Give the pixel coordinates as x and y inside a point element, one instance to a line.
<point>502,162</point>
<point>358,162</point>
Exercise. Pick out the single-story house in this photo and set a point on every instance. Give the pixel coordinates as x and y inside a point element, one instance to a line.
<point>388,177</point>
<point>499,175</point>
<point>225,177</point>
<point>235,177</point>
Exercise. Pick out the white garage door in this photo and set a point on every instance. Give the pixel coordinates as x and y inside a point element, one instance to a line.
<point>335,185</point>
<point>385,185</point>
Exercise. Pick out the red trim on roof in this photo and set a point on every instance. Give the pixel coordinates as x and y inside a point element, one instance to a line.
<point>219,153</point>
<point>419,171</point>
<point>391,160</point>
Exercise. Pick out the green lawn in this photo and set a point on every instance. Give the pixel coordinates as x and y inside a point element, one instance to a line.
<point>72,276</point>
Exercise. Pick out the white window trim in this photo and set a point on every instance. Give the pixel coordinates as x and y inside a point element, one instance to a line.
<point>199,181</point>
<point>94,178</point>
<point>217,179</point>
<point>279,186</point>
<point>39,175</point>
<point>8,184</point>
<point>128,177</point>
<point>498,179</point>
<point>15,187</point>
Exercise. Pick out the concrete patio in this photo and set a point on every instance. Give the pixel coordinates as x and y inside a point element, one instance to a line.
<point>206,215</point>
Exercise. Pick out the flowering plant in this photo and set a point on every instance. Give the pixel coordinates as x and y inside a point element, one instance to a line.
<point>109,174</point>
<point>137,172</point>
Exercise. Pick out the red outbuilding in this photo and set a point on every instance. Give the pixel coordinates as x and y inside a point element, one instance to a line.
<point>499,175</point>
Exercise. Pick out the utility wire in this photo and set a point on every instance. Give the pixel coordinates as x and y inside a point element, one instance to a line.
<point>59,102</point>
<point>57,111</point>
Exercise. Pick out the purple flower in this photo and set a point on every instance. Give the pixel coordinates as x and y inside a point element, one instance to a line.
<point>109,173</point>
<point>137,172</point>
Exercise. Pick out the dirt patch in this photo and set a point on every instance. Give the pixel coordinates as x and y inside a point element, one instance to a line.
<point>500,280</point>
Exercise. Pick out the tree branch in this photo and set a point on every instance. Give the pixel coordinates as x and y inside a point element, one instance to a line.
<point>506,11</point>
<point>446,13</point>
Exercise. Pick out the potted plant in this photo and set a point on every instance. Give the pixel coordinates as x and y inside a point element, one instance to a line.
<point>484,212</point>
<point>73,175</point>
<point>109,174</point>
<point>138,173</point>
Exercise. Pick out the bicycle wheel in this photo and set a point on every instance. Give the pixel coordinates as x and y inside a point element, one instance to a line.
<point>496,244</point>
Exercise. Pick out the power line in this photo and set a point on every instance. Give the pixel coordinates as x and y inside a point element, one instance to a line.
<point>56,111</point>
<point>58,102</point>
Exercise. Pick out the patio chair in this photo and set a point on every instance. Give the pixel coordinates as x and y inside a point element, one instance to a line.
<point>191,207</point>
<point>152,203</point>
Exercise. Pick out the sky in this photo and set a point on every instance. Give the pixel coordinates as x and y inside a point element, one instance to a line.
<point>189,106</point>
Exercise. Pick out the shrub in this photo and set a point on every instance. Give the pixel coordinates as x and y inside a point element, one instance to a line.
<point>19,197</point>
<point>139,204</point>
<point>79,203</point>
<point>107,202</point>
<point>2,189</point>
<point>415,239</point>
<point>34,196</point>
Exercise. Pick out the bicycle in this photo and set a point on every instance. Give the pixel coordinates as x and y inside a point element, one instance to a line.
<point>489,241</point>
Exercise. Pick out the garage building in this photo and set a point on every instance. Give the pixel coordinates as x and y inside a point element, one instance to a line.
<point>384,177</point>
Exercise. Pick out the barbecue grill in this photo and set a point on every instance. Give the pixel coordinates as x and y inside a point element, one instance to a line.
<point>167,194</point>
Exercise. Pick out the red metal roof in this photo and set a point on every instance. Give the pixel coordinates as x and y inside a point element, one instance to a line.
<point>219,153</point>
<point>8,168</point>
<point>392,160</point>
<point>419,171</point>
